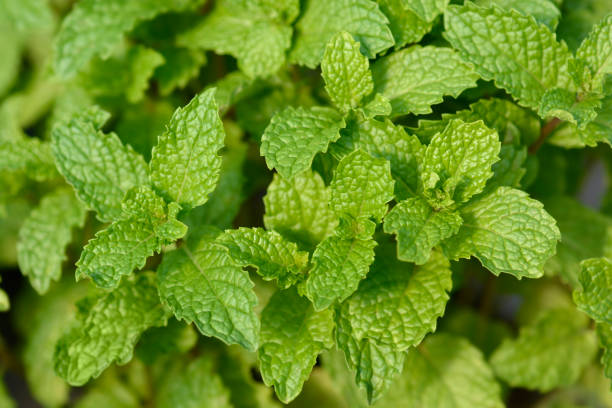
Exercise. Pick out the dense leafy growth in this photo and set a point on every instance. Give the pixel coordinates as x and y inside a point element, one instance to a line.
<point>331,203</point>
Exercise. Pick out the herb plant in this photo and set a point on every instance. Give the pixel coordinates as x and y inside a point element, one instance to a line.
<point>333,203</point>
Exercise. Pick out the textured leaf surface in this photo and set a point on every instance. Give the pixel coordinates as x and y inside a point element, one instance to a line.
<point>205,286</point>
<point>362,186</point>
<point>292,336</point>
<point>181,65</point>
<point>383,139</point>
<point>419,228</point>
<point>531,63</point>
<point>108,328</point>
<point>98,166</point>
<point>508,232</point>
<point>298,208</point>
<point>295,135</point>
<point>549,353</point>
<point>544,11</point>
<point>44,236</point>
<point>594,296</point>
<point>184,165</point>
<point>245,31</point>
<point>339,264</point>
<point>346,72</point>
<point>399,303</point>
<point>445,371</point>
<point>28,155</point>
<point>321,19</point>
<point>375,365</point>
<point>461,157</point>
<point>95,28</point>
<point>427,10</point>
<point>415,78</point>
<point>406,26</point>
<point>191,385</point>
<point>596,50</point>
<point>272,255</point>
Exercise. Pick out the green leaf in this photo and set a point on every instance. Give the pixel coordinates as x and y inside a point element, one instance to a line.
<point>565,105</point>
<point>407,27</point>
<point>568,135</point>
<point>533,64</point>
<point>28,155</point>
<point>191,385</point>
<point>268,252</point>
<point>28,16</point>
<point>346,72</point>
<point>596,51</point>
<point>594,295</point>
<point>406,299</point>
<point>415,78</point>
<point>549,353</point>
<point>292,336</point>
<point>185,165</point>
<point>295,136</point>
<point>604,333</point>
<point>98,166</point>
<point>127,74</point>
<point>427,10</point>
<point>204,285</point>
<point>298,208</point>
<point>461,157</point>
<point>508,232</point>
<point>44,235</point>
<point>107,328</point>
<point>445,371</point>
<point>388,141</point>
<point>362,186</point>
<point>159,342</point>
<point>92,28</point>
<point>245,31</point>
<point>181,65</point>
<point>375,365</point>
<point>544,11</point>
<point>321,19</point>
<point>338,265</point>
<point>5,303</point>
<point>419,228</point>
<point>127,243</point>
<point>11,54</point>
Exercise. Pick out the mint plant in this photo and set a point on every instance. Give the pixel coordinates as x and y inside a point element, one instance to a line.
<point>341,203</point>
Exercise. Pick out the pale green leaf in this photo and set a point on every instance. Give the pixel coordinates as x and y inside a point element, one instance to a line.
<point>28,155</point>
<point>268,252</point>
<point>594,295</point>
<point>407,27</point>
<point>321,19</point>
<point>245,31</point>
<point>569,136</point>
<point>445,372</point>
<point>415,78</point>
<point>44,235</point>
<point>185,165</point>
<point>11,54</point>
<point>98,166</point>
<point>292,336</point>
<point>544,11</point>
<point>596,50</point>
<point>28,16</point>
<point>604,333</point>
<point>108,328</point>
<point>508,232</point>
<point>549,353</point>
<point>298,208</point>
<point>461,157</point>
<point>419,228</point>
<point>362,186</point>
<point>95,28</point>
<point>375,365</point>
<point>5,303</point>
<point>191,384</point>
<point>563,104</point>
<point>522,56</point>
<point>399,303</point>
<point>205,286</point>
<point>388,141</point>
<point>295,135</point>
<point>346,72</point>
<point>338,265</point>
<point>427,10</point>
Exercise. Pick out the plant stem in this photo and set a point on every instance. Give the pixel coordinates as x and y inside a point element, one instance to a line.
<point>547,129</point>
